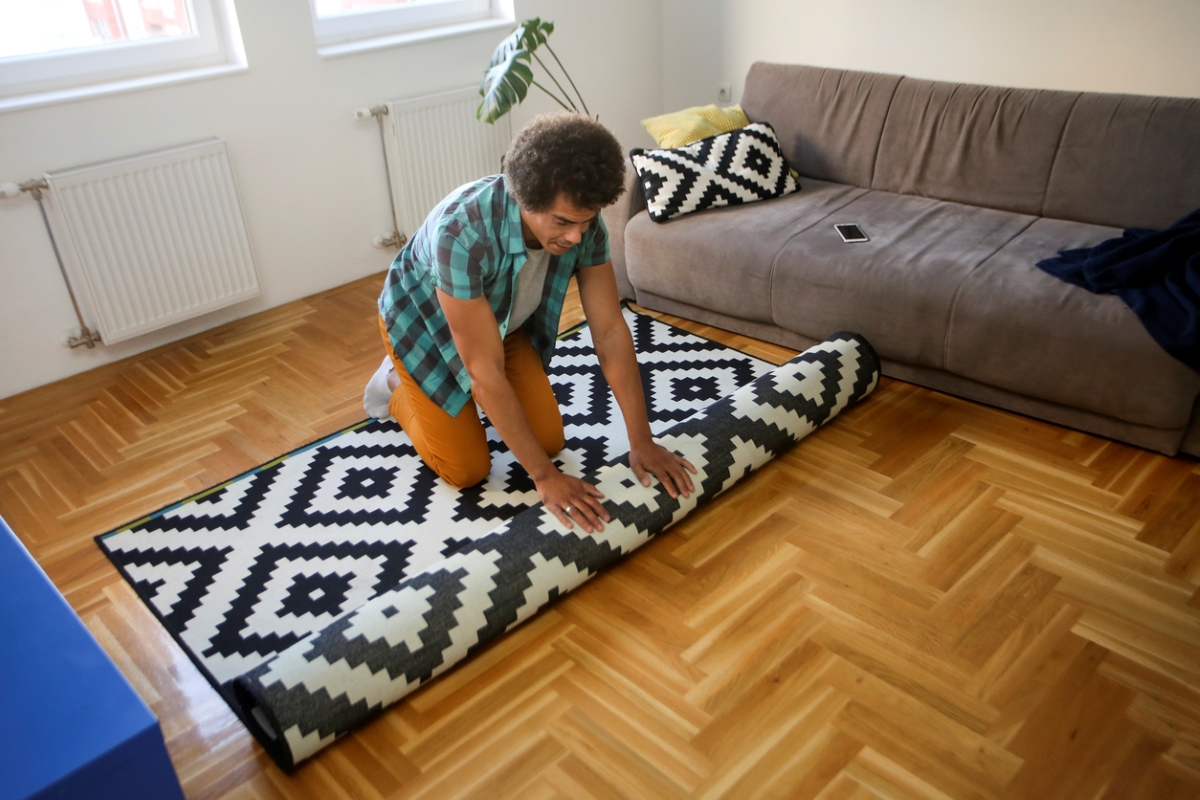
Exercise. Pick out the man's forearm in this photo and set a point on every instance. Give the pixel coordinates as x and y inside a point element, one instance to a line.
<point>499,400</point>
<point>618,362</point>
<point>473,326</point>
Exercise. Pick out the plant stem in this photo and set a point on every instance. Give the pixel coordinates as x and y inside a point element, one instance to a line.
<point>556,83</point>
<point>553,96</point>
<point>564,69</point>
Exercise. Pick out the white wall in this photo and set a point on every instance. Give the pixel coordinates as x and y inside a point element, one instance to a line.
<point>311,178</point>
<point>1148,47</point>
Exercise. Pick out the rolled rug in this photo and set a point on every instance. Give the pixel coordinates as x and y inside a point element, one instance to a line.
<point>340,677</point>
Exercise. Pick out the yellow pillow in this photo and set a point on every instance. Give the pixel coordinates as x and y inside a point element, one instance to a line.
<point>692,124</point>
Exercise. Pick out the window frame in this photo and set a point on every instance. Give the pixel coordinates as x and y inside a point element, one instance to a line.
<point>44,78</point>
<point>371,29</point>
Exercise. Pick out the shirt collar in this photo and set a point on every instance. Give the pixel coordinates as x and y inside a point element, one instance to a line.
<point>515,239</point>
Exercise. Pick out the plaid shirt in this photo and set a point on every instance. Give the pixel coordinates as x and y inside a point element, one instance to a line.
<point>471,246</point>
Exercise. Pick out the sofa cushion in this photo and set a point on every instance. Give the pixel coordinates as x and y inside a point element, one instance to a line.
<point>1128,161</point>
<point>1018,328</point>
<point>722,259</point>
<point>896,289</point>
<point>828,120</point>
<point>692,124</point>
<point>983,145</point>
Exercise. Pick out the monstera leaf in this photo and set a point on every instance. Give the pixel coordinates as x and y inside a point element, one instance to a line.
<point>528,36</point>
<point>509,74</point>
<point>505,85</point>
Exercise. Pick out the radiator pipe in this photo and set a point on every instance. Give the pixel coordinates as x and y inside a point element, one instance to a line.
<point>87,337</point>
<point>397,239</point>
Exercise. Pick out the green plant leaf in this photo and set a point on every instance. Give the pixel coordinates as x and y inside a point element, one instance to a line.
<point>534,33</point>
<point>509,74</point>
<point>507,47</point>
<point>504,85</point>
<point>527,36</point>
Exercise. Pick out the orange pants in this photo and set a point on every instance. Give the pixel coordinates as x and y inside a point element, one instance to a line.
<point>456,447</point>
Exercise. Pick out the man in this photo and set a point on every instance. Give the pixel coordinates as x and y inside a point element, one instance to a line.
<point>470,311</point>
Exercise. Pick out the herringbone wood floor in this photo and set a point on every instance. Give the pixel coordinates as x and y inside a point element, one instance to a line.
<point>926,599</point>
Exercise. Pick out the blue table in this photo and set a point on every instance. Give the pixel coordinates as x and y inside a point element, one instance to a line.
<point>71,726</point>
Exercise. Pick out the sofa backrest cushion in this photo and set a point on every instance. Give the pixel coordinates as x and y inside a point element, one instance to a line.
<point>1106,159</point>
<point>828,120</point>
<point>1127,161</point>
<point>982,145</point>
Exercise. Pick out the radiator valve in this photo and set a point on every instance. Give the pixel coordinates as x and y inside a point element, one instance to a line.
<point>81,337</point>
<point>373,111</point>
<point>390,239</point>
<point>34,187</point>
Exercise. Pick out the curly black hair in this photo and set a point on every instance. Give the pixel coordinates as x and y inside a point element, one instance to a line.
<point>568,154</point>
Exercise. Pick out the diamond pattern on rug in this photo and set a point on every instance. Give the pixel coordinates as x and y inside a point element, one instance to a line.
<point>243,572</point>
<point>323,687</point>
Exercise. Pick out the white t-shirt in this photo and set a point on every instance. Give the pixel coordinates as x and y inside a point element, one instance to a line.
<point>531,280</point>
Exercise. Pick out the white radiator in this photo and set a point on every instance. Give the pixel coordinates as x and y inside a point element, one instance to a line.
<point>434,145</point>
<point>153,239</point>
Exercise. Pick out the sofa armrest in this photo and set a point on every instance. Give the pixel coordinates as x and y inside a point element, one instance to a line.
<point>616,217</point>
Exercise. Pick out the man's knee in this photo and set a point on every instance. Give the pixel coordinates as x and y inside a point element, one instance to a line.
<point>550,435</point>
<point>462,472</point>
<point>461,460</point>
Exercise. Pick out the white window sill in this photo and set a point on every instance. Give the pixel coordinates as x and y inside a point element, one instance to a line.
<point>411,37</point>
<point>118,87</point>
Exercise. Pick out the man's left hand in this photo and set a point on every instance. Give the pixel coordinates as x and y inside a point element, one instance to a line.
<point>670,469</point>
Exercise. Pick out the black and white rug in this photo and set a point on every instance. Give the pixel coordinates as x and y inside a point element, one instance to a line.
<point>243,571</point>
<point>323,687</point>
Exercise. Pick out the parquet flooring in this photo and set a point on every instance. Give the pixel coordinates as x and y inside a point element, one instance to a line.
<point>928,598</point>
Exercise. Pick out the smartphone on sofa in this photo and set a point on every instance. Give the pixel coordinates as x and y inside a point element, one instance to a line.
<point>850,232</point>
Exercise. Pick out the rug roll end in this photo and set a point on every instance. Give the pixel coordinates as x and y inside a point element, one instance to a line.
<point>868,351</point>
<point>261,721</point>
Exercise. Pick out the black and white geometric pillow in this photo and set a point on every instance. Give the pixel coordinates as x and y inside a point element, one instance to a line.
<point>723,170</point>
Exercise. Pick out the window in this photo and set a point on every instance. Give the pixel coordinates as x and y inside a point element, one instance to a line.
<point>52,50</point>
<point>346,26</point>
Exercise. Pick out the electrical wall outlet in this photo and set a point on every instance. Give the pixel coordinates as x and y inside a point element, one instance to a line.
<point>725,93</point>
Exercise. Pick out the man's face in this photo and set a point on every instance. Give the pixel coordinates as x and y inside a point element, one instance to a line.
<point>558,228</point>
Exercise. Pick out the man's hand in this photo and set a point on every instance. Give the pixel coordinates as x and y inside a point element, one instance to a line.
<point>670,469</point>
<point>573,500</point>
<point>618,362</point>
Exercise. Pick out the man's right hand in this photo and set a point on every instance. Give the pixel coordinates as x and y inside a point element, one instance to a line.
<point>572,500</point>
<point>477,339</point>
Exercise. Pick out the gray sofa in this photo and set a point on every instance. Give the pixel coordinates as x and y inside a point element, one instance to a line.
<point>962,189</point>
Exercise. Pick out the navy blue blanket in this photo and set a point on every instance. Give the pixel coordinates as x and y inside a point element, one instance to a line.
<point>1156,273</point>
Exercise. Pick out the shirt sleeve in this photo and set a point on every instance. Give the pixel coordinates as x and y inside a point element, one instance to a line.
<point>464,255</point>
<point>594,249</point>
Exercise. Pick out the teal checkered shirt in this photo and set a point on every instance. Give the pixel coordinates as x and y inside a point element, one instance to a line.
<point>471,246</point>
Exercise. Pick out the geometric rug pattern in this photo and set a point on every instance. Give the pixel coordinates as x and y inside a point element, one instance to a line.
<point>243,571</point>
<point>728,169</point>
<point>371,657</point>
